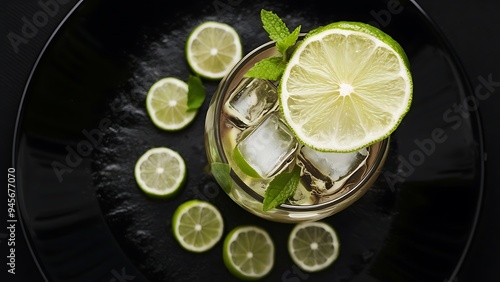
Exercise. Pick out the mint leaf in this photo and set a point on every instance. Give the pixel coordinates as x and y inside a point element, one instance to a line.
<point>221,173</point>
<point>287,42</point>
<point>274,26</point>
<point>196,93</point>
<point>272,68</point>
<point>269,68</point>
<point>282,187</point>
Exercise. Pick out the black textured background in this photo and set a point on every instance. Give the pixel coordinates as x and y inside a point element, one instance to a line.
<point>472,27</point>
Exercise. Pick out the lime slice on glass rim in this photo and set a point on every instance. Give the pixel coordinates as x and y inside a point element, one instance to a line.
<point>313,246</point>
<point>212,49</point>
<point>248,252</point>
<point>346,86</point>
<point>197,225</point>
<point>160,171</point>
<point>167,104</point>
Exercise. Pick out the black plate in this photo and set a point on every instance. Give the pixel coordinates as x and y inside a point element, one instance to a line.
<point>83,124</point>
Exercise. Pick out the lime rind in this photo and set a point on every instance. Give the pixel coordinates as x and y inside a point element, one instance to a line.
<point>364,28</point>
<point>348,28</point>
<point>212,221</point>
<point>175,185</point>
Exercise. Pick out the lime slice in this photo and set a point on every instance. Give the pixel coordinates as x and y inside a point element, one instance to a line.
<point>248,252</point>
<point>243,165</point>
<point>313,246</point>
<point>212,49</point>
<point>347,86</point>
<point>197,225</point>
<point>166,103</point>
<point>160,171</point>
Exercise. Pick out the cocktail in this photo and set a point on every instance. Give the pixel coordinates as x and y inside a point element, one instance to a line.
<point>323,189</point>
<point>247,129</point>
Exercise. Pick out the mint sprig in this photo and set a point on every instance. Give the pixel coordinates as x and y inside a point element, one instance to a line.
<point>196,92</point>
<point>273,67</point>
<point>281,188</point>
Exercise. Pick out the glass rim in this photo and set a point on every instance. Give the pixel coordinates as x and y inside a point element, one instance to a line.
<point>224,87</point>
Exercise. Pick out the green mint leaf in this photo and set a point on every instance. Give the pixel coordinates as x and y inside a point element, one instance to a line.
<point>274,26</point>
<point>287,42</point>
<point>282,187</point>
<point>273,67</point>
<point>269,68</point>
<point>196,92</point>
<point>221,173</point>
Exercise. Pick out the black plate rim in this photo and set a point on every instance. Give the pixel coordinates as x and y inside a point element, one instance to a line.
<point>16,139</point>
<point>464,78</point>
<point>480,134</point>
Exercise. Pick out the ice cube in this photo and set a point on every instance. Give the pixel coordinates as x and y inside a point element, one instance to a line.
<point>335,165</point>
<point>269,147</point>
<point>252,99</point>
